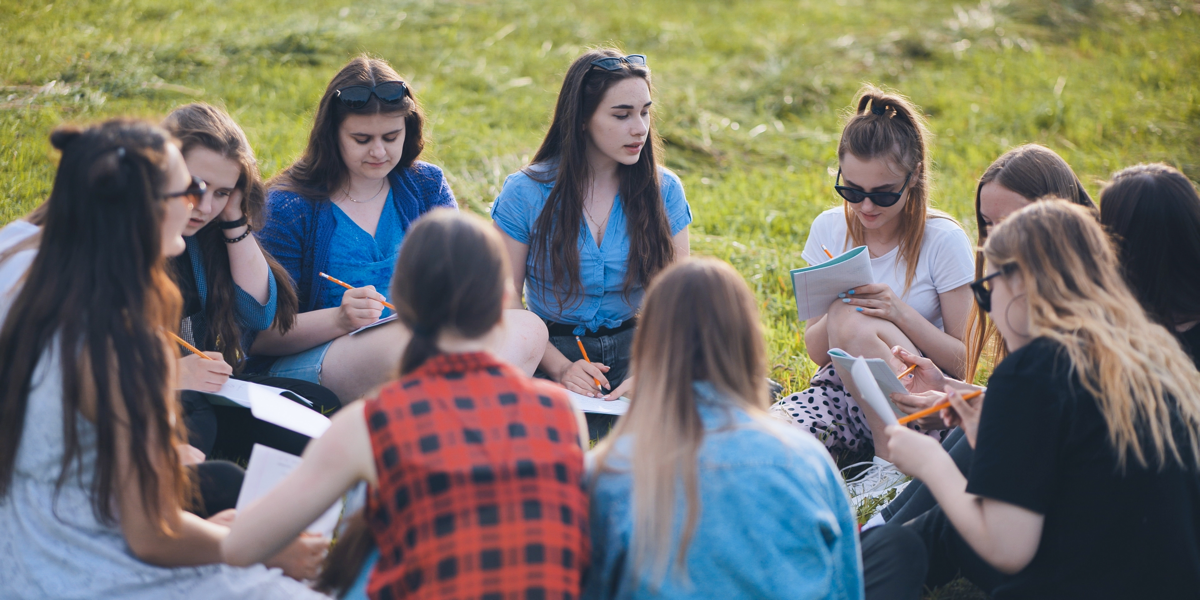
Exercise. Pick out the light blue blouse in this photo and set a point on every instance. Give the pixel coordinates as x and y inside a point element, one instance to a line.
<point>601,269</point>
<point>775,520</point>
<point>359,259</point>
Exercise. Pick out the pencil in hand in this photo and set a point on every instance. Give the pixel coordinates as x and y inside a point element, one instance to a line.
<point>907,372</point>
<point>191,348</point>
<point>905,420</point>
<point>827,252</point>
<point>585,357</point>
<point>350,287</point>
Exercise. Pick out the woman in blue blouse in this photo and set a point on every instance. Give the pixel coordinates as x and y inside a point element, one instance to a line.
<point>342,209</point>
<point>592,220</point>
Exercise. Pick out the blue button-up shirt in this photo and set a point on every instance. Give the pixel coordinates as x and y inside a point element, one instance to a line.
<point>774,522</point>
<point>601,268</point>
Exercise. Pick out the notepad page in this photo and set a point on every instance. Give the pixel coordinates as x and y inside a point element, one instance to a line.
<point>817,287</point>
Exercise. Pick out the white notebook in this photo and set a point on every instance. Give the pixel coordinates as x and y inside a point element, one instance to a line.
<point>267,468</point>
<point>817,287</point>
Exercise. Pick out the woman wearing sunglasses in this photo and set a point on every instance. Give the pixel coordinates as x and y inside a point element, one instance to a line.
<point>342,209</point>
<point>592,220</point>
<point>920,257</point>
<point>1084,482</point>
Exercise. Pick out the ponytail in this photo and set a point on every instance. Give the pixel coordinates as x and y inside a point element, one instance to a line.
<point>892,127</point>
<point>450,276</point>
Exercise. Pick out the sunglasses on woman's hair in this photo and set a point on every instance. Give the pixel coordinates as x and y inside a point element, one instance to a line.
<point>193,193</point>
<point>357,96</point>
<point>613,63</point>
<point>880,199</point>
<point>983,293</point>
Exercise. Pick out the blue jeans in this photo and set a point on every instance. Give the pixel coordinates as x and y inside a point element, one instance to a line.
<point>612,351</point>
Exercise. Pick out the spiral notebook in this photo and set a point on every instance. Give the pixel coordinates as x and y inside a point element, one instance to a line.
<point>817,287</point>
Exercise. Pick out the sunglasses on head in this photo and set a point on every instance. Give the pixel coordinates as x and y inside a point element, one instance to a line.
<point>357,96</point>
<point>193,193</point>
<point>613,63</point>
<point>880,199</point>
<point>983,293</point>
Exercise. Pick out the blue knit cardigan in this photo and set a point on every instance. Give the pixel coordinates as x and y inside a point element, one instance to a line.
<point>298,230</point>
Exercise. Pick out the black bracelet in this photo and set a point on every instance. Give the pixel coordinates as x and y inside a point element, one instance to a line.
<point>238,238</point>
<point>233,224</point>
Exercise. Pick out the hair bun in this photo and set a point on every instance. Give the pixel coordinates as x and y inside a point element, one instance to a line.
<point>63,136</point>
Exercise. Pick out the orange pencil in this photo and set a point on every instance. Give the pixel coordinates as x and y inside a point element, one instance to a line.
<point>935,408</point>
<point>350,287</point>
<point>585,357</point>
<point>827,252</point>
<point>190,347</point>
<point>907,372</point>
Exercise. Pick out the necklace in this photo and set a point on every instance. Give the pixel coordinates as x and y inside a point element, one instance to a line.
<point>599,226</point>
<point>346,192</point>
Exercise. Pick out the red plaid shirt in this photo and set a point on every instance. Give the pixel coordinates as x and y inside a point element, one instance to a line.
<point>480,485</point>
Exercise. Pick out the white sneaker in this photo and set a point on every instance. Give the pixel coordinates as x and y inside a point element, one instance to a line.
<point>879,478</point>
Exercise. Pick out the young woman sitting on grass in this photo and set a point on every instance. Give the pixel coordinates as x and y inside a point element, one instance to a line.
<point>1153,214</point>
<point>342,209</point>
<point>92,490</point>
<point>474,469</point>
<point>231,288</point>
<point>1084,482</point>
<point>592,220</point>
<point>1018,178</point>
<point>920,257</point>
<point>698,490</point>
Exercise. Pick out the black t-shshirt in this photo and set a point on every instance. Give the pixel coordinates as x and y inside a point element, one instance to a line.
<point>1190,340</point>
<point>1043,445</point>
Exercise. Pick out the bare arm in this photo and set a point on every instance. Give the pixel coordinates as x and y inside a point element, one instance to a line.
<point>360,307</point>
<point>332,464</point>
<point>246,261</point>
<point>946,348</point>
<point>682,244</point>
<point>816,340</point>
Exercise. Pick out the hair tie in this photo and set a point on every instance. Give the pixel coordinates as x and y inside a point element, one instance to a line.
<point>877,109</point>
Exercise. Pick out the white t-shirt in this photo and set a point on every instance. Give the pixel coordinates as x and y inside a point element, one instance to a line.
<point>13,269</point>
<point>946,261</point>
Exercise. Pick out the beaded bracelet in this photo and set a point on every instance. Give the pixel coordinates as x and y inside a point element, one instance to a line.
<point>238,238</point>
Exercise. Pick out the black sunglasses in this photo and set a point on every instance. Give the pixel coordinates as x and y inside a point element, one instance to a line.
<point>613,63</point>
<point>193,193</point>
<point>880,199</point>
<point>357,96</point>
<point>983,294</point>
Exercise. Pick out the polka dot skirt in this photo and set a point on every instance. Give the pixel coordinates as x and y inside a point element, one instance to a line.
<point>829,412</point>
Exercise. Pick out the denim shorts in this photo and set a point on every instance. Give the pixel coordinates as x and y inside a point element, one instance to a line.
<point>304,365</point>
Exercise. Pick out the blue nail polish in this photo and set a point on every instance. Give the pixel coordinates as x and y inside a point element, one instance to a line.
<point>850,292</point>
<point>846,300</point>
<point>859,309</point>
<point>842,295</point>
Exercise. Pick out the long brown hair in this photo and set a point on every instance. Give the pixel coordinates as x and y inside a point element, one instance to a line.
<point>320,170</point>
<point>98,295</point>
<point>699,322</point>
<point>1033,172</point>
<point>1153,214</point>
<point>1143,382</point>
<point>891,127</point>
<point>451,275</point>
<point>562,159</point>
<point>200,125</point>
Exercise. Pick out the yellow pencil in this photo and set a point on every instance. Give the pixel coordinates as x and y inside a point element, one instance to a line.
<point>935,408</point>
<point>827,252</point>
<point>585,357</point>
<point>907,372</point>
<point>350,287</point>
<point>191,348</point>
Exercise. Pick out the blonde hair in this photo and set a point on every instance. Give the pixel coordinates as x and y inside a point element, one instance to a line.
<point>699,322</point>
<point>1141,378</point>
<point>1035,173</point>
<point>890,126</point>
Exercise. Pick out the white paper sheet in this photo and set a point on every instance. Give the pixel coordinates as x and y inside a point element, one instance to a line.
<point>887,380</point>
<point>273,408</point>
<point>867,392</point>
<point>387,319</point>
<point>268,467</point>
<point>817,287</point>
<point>598,405</point>
<point>238,392</point>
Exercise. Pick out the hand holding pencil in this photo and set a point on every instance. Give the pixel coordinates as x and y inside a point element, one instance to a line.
<point>360,306</point>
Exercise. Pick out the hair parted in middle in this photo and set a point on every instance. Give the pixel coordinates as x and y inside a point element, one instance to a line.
<point>201,125</point>
<point>699,322</point>
<point>1034,172</point>
<point>562,159</point>
<point>320,170</point>
<point>1147,388</point>
<point>450,276</point>
<point>889,126</point>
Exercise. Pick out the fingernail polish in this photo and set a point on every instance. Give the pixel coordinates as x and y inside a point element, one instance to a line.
<point>842,295</point>
<point>859,309</point>
<point>846,300</point>
<point>850,292</point>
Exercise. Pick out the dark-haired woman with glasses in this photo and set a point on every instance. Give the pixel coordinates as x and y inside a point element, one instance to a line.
<point>921,259</point>
<point>591,220</point>
<point>342,210</point>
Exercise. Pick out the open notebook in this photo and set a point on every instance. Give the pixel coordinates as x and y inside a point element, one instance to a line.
<point>267,468</point>
<point>817,287</point>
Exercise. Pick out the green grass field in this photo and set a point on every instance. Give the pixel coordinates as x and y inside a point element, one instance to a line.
<point>749,94</point>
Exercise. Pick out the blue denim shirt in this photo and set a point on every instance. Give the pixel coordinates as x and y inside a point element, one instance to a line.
<point>601,268</point>
<point>775,519</point>
<point>359,259</point>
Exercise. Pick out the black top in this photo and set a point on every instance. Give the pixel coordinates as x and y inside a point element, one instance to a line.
<point>1190,340</point>
<point>1043,445</point>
